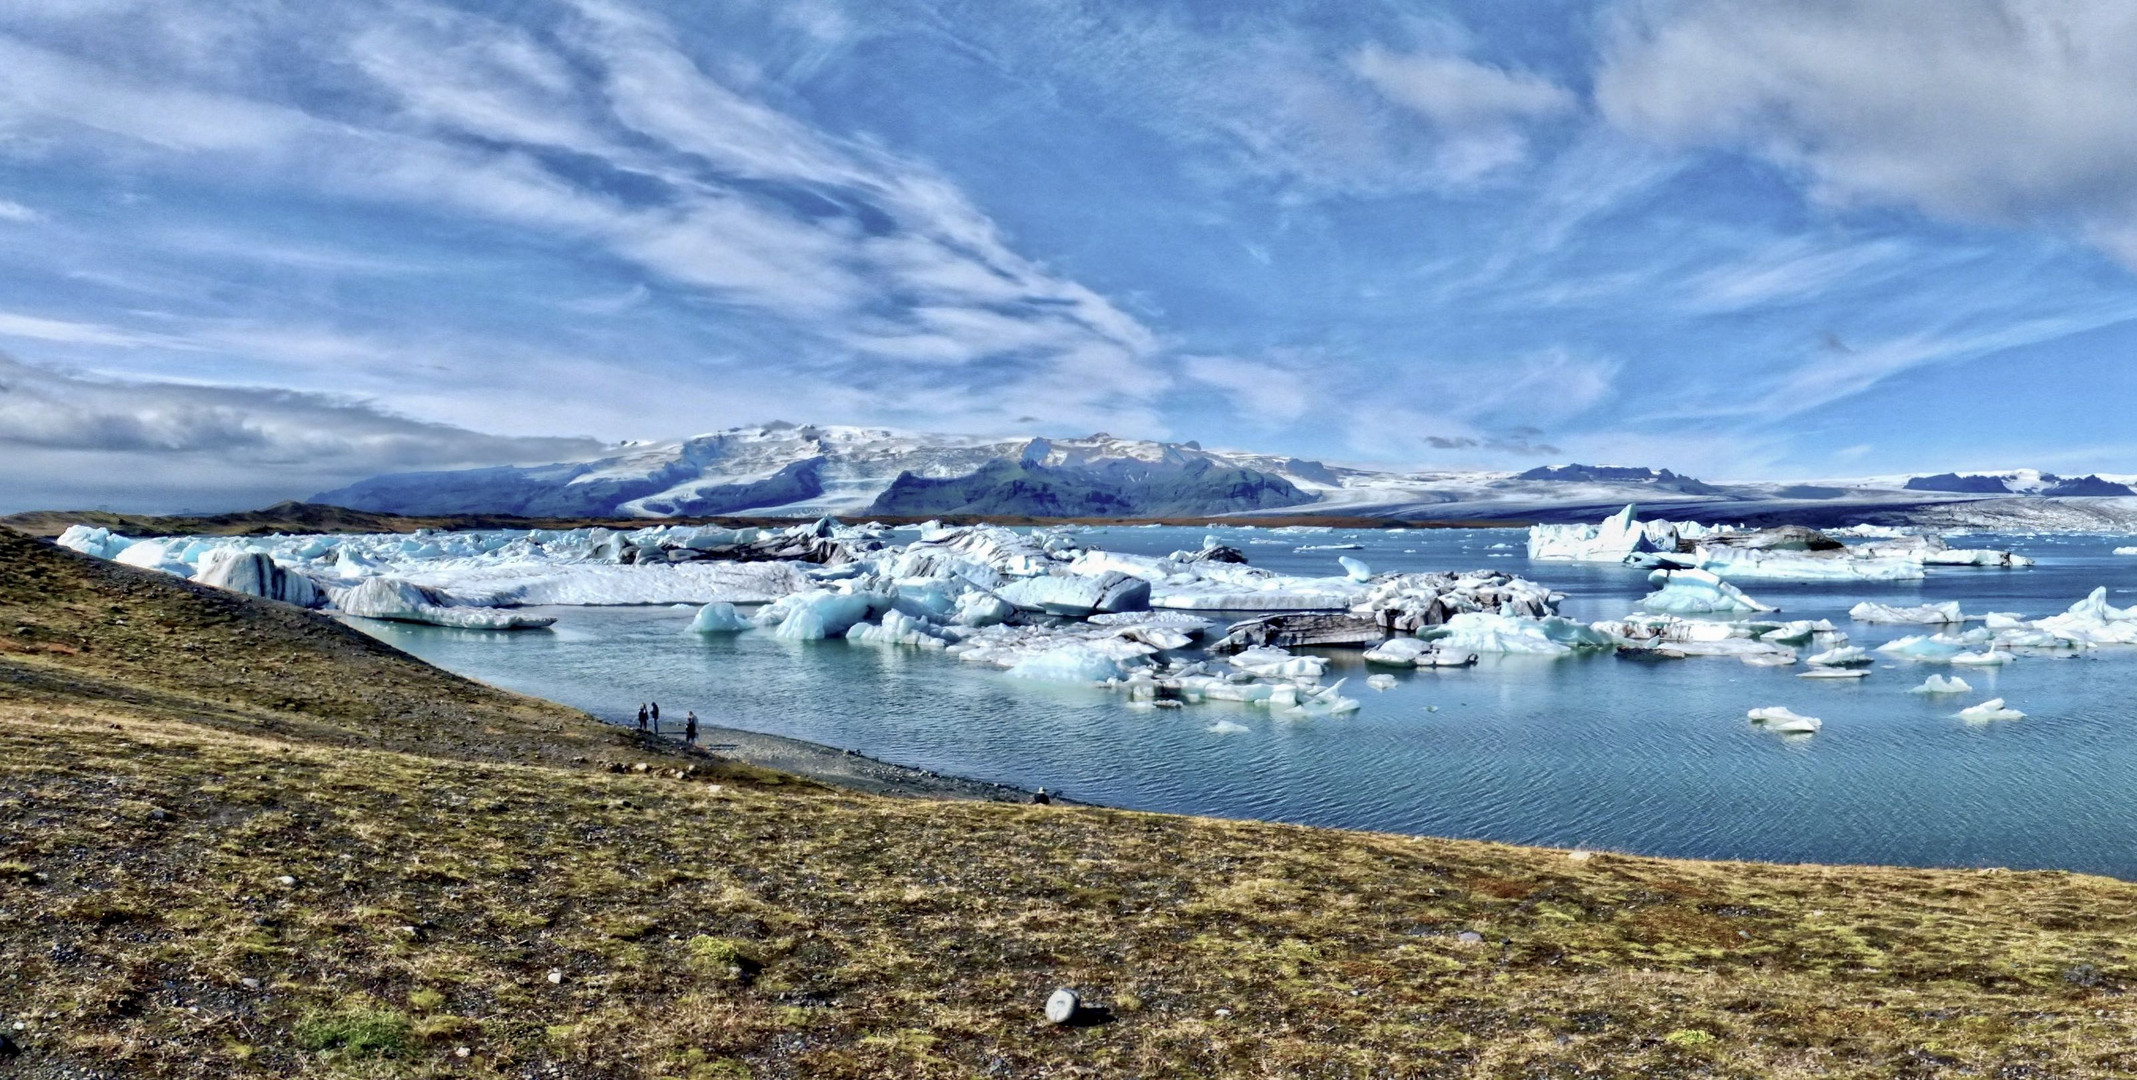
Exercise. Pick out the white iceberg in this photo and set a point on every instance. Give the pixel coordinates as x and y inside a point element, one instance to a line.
<point>1924,614</point>
<point>1380,682</point>
<point>819,613</point>
<point>1989,658</point>
<point>91,540</point>
<point>1355,569</point>
<point>1068,663</point>
<point>1992,709</point>
<point>255,574</point>
<point>719,618</point>
<point>898,628</point>
<point>1276,662</point>
<point>1843,656</point>
<point>1399,652</point>
<point>1693,592</point>
<point>1486,632</point>
<point>1078,594</point>
<point>401,601</point>
<point>1779,719</point>
<point>1938,684</point>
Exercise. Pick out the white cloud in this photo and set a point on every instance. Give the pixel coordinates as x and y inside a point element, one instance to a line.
<point>1266,394</point>
<point>2015,112</point>
<point>15,211</point>
<point>1456,92</point>
<point>90,438</point>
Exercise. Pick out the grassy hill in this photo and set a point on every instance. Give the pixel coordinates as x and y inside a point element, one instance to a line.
<point>237,839</point>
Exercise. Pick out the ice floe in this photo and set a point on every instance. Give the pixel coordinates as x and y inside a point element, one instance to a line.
<point>1784,721</point>
<point>400,601</point>
<point>1689,592</point>
<point>1939,684</point>
<point>1924,614</point>
<point>1992,709</point>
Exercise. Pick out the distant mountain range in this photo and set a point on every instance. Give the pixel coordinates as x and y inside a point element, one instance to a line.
<point>782,469</point>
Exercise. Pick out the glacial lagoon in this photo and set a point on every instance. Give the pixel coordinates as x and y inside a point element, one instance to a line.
<point>1640,755</point>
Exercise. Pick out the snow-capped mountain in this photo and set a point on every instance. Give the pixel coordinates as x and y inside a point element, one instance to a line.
<point>781,469</point>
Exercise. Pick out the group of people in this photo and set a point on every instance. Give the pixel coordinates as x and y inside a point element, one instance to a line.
<point>649,712</point>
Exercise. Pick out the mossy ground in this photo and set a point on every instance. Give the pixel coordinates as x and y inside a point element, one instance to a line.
<point>213,872</point>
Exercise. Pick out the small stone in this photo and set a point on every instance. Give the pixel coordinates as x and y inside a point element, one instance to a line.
<point>159,814</point>
<point>1469,937</point>
<point>461,1051</point>
<point>556,976</point>
<point>1580,856</point>
<point>641,767</point>
<point>286,881</point>
<point>249,983</point>
<point>1061,1006</point>
<point>1223,1014</point>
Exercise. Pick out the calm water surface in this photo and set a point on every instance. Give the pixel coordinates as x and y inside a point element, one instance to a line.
<point>1644,756</point>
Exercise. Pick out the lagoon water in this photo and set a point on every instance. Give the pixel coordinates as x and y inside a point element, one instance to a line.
<point>1654,757</point>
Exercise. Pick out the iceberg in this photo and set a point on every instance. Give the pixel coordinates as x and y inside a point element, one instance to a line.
<point>1938,684</point>
<point>99,542</point>
<point>1774,564</point>
<point>1399,652</point>
<point>1778,719</point>
<point>719,618</point>
<point>1380,682</point>
<point>1068,663</point>
<point>1841,656</point>
<point>1689,592</point>
<point>2092,621</point>
<point>1078,595</point>
<point>1487,632</point>
<point>1355,569</point>
<point>1834,673</point>
<point>255,574</point>
<point>1940,648</point>
<point>818,613</point>
<point>401,601</point>
<point>1926,614</point>
<point>1990,658</point>
<point>1277,662</point>
<point>1992,709</point>
<point>1617,537</point>
<point>156,555</point>
<point>898,628</point>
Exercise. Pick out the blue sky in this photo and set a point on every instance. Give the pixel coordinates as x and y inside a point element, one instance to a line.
<point>254,249</point>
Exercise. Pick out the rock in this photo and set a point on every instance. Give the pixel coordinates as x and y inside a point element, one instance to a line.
<point>1469,937</point>
<point>461,1051</point>
<point>1061,1006</point>
<point>249,983</point>
<point>286,881</point>
<point>556,976</point>
<point>8,1047</point>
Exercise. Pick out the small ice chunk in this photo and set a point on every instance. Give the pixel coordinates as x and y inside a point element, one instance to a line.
<point>1400,652</point>
<point>1355,569</point>
<point>1844,656</point>
<point>1777,718</point>
<point>1225,727</point>
<point>1925,614</point>
<point>1276,663</point>
<point>718,618</point>
<point>1695,592</point>
<point>1834,673</point>
<point>1990,658</point>
<point>1068,663</point>
<point>1381,682</point>
<point>1938,684</point>
<point>1992,709</point>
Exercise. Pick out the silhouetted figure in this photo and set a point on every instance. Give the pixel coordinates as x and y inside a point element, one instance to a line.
<point>690,727</point>
<point>656,717</point>
<point>1042,798</point>
<point>641,716</point>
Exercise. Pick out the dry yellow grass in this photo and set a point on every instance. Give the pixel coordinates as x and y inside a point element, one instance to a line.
<point>150,812</point>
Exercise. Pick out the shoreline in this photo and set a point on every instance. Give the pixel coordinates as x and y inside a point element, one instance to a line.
<point>845,769</point>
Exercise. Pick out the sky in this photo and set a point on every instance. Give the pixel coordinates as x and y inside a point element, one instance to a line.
<point>250,250</point>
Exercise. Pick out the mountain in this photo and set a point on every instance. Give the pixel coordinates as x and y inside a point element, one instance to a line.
<point>790,470</point>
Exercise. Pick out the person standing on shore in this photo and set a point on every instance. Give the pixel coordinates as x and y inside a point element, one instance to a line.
<point>656,718</point>
<point>641,716</point>
<point>690,727</point>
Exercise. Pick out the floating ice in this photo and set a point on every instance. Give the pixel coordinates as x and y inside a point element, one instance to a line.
<point>818,613</point>
<point>1077,595</point>
<point>1400,652</point>
<point>1938,684</point>
<point>1834,673</point>
<point>1992,709</point>
<point>1225,727</point>
<point>254,574</point>
<point>1380,682</point>
<point>100,542</point>
<point>898,628</point>
<point>1690,592</point>
<point>1619,536</point>
<point>1778,719</point>
<point>1355,569</point>
<point>719,618</point>
<point>401,601</point>
<point>156,555</point>
<point>1485,632</point>
<point>1927,614</point>
<point>1843,656</point>
<point>1991,658</point>
<point>1277,662</point>
<point>1068,663</point>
